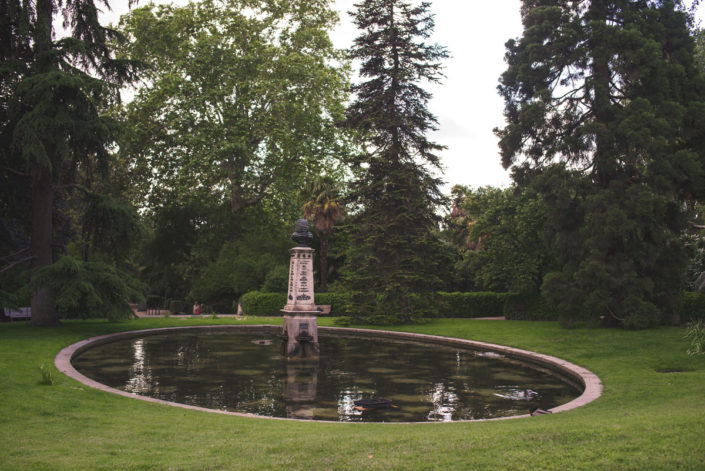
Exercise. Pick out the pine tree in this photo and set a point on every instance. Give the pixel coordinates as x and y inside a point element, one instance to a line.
<point>55,92</point>
<point>610,88</point>
<point>395,250</point>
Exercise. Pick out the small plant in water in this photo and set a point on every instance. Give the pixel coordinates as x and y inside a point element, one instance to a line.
<point>47,375</point>
<point>696,334</point>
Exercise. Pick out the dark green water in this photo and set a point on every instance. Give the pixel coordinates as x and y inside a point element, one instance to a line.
<point>244,372</point>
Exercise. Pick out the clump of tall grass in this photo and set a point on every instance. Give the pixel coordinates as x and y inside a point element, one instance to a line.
<point>696,334</point>
<point>47,375</point>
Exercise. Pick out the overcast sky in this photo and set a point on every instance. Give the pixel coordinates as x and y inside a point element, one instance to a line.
<point>466,103</point>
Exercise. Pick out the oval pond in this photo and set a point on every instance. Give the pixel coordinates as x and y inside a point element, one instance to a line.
<point>245,372</point>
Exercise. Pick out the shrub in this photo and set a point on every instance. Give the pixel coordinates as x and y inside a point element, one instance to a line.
<point>256,303</point>
<point>691,306</point>
<point>88,289</point>
<point>221,306</point>
<point>338,302</point>
<point>469,305</point>
<point>528,307</point>
<point>177,306</point>
<point>238,269</point>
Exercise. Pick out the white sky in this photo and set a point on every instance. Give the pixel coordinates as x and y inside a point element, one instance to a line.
<point>466,103</point>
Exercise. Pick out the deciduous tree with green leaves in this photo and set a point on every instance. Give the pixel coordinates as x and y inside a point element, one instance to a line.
<point>239,102</point>
<point>499,234</point>
<point>610,88</point>
<point>394,246</point>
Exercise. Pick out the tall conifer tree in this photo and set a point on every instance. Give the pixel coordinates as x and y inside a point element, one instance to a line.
<point>609,88</point>
<point>54,93</point>
<point>395,251</point>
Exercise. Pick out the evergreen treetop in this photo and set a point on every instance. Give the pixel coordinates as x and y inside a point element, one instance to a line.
<point>395,252</point>
<point>391,103</point>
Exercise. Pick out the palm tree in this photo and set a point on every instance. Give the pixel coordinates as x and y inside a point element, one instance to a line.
<point>324,209</point>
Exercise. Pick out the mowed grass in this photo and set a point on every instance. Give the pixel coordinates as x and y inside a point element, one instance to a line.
<point>651,415</point>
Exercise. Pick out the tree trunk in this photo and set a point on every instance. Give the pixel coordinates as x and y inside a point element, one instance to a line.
<point>43,304</point>
<point>237,210</point>
<point>604,161</point>
<point>324,263</point>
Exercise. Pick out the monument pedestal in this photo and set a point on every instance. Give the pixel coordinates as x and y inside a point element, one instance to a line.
<point>300,331</point>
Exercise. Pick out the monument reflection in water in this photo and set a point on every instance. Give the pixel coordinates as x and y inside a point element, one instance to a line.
<point>300,331</point>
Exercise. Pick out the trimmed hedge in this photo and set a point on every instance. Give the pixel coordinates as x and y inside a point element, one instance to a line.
<point>257,303</point>
<point>513,306</point>
<point>449,305</point>
<point>469,305</point>
<point>691,307</point>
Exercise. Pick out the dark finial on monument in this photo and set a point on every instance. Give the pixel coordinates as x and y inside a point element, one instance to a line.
<point>302,236</point>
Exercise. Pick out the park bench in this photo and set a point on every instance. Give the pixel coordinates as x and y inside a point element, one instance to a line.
<point>21,313</point>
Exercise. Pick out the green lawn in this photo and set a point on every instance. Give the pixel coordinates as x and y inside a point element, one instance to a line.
<point>651,414</point>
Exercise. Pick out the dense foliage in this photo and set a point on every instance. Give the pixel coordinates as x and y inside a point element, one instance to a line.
<point>469,305</point>
<point>56,138</point>
<point>691,307</point>
<point>238,104</point>
<point>500,237</point>
<point>239,127</point>
<point>88,289</point>
<point>235,116</point>
<point>528,307</point>
<point>610,89</point>
<point>394,250</point>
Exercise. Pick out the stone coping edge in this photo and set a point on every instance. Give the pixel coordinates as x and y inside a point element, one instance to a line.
<point>592,386</point>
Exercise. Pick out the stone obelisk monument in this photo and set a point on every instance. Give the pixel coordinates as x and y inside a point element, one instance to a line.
<point>300,333</point>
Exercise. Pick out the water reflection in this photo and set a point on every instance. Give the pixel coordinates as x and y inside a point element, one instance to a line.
<point>444,401</point>
<point>244,372</point>
<point>300,388</point>
<point>140,380</point>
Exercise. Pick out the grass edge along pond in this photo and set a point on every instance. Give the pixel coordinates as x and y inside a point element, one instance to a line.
<point>651,414</point>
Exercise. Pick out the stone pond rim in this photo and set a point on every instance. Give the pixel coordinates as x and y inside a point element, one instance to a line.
<point>591,384</point>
